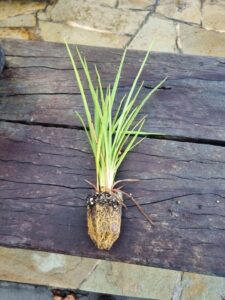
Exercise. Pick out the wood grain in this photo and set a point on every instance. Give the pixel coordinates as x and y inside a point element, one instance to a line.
<point>43,192</point>
<point>45,158</point>
<point>38,86</point>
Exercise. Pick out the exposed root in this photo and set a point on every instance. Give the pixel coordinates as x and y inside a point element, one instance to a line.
<point>137,204</point>
<point>104,213</point>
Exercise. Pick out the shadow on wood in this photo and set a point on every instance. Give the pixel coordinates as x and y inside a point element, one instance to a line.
<point>2,60</point>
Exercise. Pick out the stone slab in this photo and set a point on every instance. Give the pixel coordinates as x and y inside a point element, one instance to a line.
<point>64,271</point>
<point>55,32</point>
<point>200,287</point>
<point>136,4</point>
<point>19,21</point>
<point>98,276</point>
<point>213,15</point>
<point>44,268</point>
<point>132,280</point>
<point>111,3</point>
<point>15,8</point>
<point>199,41</point>
<point>160,30</point>
<point>92,15</point>
<point>184,10</point>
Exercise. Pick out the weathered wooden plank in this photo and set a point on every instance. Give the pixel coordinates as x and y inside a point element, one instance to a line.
<point>181,114</point>
<point>53,55</point>
<point>19,48</point>
<point>42,199</point>
<point>191,104</point>
<point>186,72</point>
<point>42,169</point>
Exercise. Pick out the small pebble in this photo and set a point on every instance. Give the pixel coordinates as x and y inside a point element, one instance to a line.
<point>217,201</point>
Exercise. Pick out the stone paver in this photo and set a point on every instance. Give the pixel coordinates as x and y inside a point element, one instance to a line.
<point>213,15</point>
<point>162,31</point>
<point>200,287</point>
<point>19,21</point>
<point>44,268</point>
<point>56,32</point>
<point>136,4</point>
<point>188,26</point>
<point>14,8</point>
<point>110,3</point>
<point>98,276</point>
<point>194,40</point>
<point>132,280</point>
<point>120,21</point>
<point>71,272</point>
<point>184,10</point>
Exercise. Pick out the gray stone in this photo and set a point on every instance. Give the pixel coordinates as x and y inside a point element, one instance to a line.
<point>199,41</point>
<point>43,16</point>
<point>213,15</point>
<point>98,276</point>
<point>97,17</point>
<point>136,4</point>
<point>44,268</point>
<point>71,272</point>
<point>131,280</point>
<point>111,3</point>
<point>200,287</point>
<point>162,31</point>
<point>184,10</point>
<point>55,32</point>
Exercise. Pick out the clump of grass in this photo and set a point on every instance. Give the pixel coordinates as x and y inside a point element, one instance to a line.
<point>111,137</point>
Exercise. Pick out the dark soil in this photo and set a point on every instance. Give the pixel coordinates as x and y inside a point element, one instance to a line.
<point>103,198</point>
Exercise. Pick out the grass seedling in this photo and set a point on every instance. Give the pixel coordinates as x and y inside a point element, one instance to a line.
<point>111,137</point>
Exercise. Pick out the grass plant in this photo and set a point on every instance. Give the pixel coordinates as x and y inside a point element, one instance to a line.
<point>111,136</point>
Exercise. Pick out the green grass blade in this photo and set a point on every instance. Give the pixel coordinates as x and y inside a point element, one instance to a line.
<point>118,75</point>
<point>77,75</point>
<point>111,137</point>
<point>129,146</point>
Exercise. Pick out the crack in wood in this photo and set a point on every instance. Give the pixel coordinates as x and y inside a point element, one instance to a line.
<point>182,139</point>
<point>166,199</point>
<point>46,184</point>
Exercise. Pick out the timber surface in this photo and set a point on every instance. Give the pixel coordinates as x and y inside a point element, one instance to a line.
<point>2,60</point>
<point>45,158</point>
